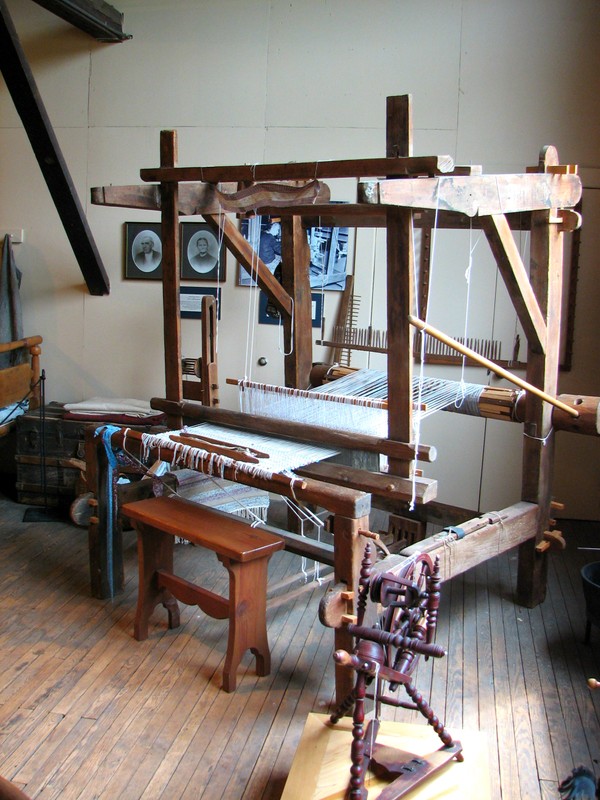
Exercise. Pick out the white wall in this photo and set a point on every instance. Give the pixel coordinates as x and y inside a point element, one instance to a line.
<point>256,81</point>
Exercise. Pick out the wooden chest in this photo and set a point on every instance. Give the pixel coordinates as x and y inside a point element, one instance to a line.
<point>50,457</point>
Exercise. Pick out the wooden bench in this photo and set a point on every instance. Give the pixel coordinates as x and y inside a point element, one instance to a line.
<point>243,550</point>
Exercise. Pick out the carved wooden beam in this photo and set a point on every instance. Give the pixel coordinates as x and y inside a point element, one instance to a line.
<point>476,194</point>
<point>29,105</point>
<point>204,198</point>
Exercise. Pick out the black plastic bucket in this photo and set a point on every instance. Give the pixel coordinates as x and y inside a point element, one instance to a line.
<point>590,578</point>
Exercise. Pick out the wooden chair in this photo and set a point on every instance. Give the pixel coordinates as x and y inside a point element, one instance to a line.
<point>16,382</point>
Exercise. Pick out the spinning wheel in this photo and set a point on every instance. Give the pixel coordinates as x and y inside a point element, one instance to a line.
<point>384,657</point>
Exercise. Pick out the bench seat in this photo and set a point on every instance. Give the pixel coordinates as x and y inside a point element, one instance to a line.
<point>244,552</point>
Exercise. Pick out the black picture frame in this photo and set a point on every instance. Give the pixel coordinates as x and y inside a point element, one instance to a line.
<point>328,258</point>
<point>140,265</point>
<point>269,315</point>
<point>206,264</point>
<point>263,233</point>
<point>190,300</point>
<point>328,251</point>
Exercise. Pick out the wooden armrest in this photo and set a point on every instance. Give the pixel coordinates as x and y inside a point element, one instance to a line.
<point>30,341</point>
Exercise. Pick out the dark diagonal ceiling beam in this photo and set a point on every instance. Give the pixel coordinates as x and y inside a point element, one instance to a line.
<point>29,105</point>
<point>94,17</point>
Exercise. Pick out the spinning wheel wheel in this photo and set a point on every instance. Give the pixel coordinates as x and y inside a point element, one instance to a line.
<point>384,658</point>
<point>409,609</point>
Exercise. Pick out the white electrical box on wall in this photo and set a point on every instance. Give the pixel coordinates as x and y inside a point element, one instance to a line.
<point>17,235</point>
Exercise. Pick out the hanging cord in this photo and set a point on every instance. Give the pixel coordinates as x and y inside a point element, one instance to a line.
<point>372,293</point>
<point>306,515</point>
<point>543,439</point>
<point>219,255</point>
<point>254,240</point>
<point>43,437</point>
<point>460,395</point>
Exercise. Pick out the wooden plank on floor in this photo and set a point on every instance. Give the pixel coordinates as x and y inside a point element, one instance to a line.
<point>523,735</point>
<point>508,757</point>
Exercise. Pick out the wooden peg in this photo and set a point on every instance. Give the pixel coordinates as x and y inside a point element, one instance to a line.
<point>369,535</point>
<point>348,596</point>
<point>555,539</point>
<point>556,506</point>
<point>542,547</point>
<point>349,619</point>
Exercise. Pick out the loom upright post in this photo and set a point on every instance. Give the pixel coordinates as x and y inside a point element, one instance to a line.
<point>542,370</point>
<point>170,268</point>
<point>400,289</point>
<point>295,257</point>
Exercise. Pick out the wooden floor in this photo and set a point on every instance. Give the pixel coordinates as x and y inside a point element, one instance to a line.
<point>88,712</point>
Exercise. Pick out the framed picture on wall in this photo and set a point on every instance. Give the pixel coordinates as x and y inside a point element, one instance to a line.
<point>143,251</point>
<point>328,251</point>
<point>263,234</point>
<point>268,314</point>
<point>190,301</point>
<point>328,258</point>
<point>202,259</point>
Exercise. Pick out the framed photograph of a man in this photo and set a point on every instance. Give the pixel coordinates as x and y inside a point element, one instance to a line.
<point>143,251</point>
<point>202,259</point>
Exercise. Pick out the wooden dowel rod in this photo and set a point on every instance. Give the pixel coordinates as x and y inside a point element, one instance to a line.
<point>485,362</point>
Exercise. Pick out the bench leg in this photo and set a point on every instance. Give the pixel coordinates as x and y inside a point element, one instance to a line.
<point>247,617</point>
<point>155,551</point>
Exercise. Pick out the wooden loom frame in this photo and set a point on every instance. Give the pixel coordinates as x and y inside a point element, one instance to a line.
<point>414,188</point>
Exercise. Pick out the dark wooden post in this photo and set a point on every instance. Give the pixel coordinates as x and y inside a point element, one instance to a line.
<point>400,289</point>
<point>170,267</point>
<point>542,371</point>
<point>295,279</point>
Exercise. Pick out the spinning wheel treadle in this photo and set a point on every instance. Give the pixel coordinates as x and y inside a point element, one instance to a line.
<point>387,653</point>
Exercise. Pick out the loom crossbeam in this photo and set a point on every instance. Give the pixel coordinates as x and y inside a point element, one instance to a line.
<point>297,431</point>
<point>307,171</point>
<point>388,489</point>
<point>478,195</point>
<point>204,198</point>
<point>482,538</point>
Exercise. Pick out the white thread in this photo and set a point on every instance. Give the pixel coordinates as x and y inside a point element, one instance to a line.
<point>544,440</point>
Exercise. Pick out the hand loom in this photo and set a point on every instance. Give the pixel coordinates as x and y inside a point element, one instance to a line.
<point>415,192</point>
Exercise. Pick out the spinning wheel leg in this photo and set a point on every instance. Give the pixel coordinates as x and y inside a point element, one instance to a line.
<point>357,751</point>
<point>432,719</point>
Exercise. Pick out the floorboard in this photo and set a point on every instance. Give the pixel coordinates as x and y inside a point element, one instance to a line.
<point>86,712</point>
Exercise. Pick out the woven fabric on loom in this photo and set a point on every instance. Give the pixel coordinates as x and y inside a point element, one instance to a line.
<point>235,498</point>
<point>284,455</point>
